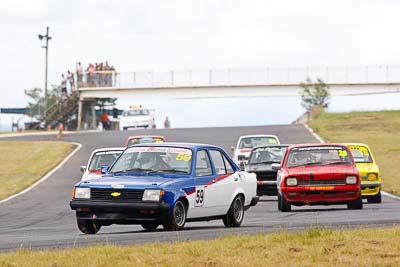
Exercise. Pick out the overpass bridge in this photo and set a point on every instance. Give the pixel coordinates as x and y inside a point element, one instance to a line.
<point>223,83</point>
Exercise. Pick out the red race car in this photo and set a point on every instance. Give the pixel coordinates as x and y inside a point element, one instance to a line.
<point>318,174</point>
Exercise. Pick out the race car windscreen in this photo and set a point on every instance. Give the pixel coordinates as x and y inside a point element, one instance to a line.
<point>267,155</point>
<point>144,140</point>
<point>136,112</point>
<point>103,158</point>
<point>322,155</point>
<point>361,154</point>
<point>154,159</point>
<point>250,142</point>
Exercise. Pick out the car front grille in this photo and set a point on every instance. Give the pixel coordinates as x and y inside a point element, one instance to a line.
<point>266,176</point>
<point>116,195</point>
<point>322,182</point>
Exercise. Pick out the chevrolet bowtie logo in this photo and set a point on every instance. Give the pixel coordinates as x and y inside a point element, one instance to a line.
<point>115,194</point>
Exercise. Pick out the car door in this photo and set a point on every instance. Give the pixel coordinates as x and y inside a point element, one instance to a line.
<point>226,182</point>
<point>204,195</point>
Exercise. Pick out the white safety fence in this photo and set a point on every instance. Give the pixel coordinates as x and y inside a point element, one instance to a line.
<point>260,76</point>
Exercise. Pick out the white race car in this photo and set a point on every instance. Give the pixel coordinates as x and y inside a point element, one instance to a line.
<point>241,151</point>
<point>99,158</point>
<point>136,117</point>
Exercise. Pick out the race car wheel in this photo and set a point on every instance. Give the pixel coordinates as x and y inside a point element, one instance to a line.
<point>283,205</point>
<point>235,214</point>
<point>88,227</point>
<point>356,204</point>
<point>375,199</point>
<point>176,221</point>
<point>150,226</point>
<point>279,202</point>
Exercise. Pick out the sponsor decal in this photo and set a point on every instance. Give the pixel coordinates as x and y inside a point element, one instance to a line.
<point>321,188</point>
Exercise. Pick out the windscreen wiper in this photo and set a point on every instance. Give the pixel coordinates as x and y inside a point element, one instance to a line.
<point>336,162</point>
<point>310,163</point>
<point>134,170</point>
<point>264,162</point>
<point>169,170</point>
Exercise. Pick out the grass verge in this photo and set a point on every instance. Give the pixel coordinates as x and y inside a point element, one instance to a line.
<point>315,247</point>
<point>23,163</point>
<point>379,129</point>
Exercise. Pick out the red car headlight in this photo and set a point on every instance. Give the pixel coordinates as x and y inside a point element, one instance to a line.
<point>291,181</point>
<point>351,179</point>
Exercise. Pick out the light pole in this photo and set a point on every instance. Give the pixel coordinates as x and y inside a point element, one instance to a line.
<point>47,37</point>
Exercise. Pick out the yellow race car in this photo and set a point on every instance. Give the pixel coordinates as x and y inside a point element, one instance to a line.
<point>369,172</point>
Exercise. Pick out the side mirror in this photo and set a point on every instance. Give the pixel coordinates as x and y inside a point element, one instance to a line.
<point>276,166</point>
<point>83,168</point>
<point>233,148</point>
<point>104,169</point>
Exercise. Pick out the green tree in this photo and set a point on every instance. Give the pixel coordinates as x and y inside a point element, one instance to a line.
<point>37,103</point>
<point>314,94</point>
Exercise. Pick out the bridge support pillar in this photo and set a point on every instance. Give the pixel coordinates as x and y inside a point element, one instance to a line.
<point>94,121</point>
<point>79,126</point>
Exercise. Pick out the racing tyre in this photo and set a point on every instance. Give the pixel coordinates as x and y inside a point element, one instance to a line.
<point>88,227</point>
<point>235,214</point>
<point>283,205</point>
<point>176,221</point>
<point>356,204</point>
<point>150,226</point>
<point>375,199</point>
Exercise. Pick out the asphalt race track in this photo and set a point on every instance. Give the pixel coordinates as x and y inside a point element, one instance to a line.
<point>42,218</point>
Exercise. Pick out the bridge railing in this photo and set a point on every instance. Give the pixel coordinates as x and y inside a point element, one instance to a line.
<point>257,76</point>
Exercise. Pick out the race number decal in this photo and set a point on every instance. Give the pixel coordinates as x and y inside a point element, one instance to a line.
<point>184,157</point>
<point>342,153</point>
<point>199,196</point>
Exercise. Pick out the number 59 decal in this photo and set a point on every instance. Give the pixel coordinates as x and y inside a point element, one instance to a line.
<point>199,196</point>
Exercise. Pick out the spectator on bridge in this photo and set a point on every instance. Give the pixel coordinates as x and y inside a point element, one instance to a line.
<point>106,66</point>
<point>105,121</point>
<point>167,123</point>
<point>79,72</point>
<point>64,86</point>
<point>91,70</point>
<point>71,81</point>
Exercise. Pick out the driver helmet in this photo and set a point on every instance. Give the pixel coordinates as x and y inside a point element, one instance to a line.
<point>147,160</point>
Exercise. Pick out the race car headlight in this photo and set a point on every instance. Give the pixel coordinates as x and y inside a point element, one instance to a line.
<point>351,179</point>
<point>372,177</point>
<point>291,181</point>
<point>82,192</point>
<point>152,195</point>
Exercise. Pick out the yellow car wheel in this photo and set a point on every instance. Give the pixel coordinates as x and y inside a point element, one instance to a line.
<point>375,199</point>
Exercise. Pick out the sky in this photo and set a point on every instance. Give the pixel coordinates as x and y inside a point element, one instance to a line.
<point>190,34</point>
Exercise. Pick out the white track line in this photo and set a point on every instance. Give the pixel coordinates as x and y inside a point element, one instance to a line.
<point>314,133</point>
<point>322,141</point>
<point>390,195</point>
<point>46,176</point>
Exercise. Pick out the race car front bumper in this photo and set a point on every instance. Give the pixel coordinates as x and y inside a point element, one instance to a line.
<point>321,194</point>
<point>120,212</point>
<point>370,188</point>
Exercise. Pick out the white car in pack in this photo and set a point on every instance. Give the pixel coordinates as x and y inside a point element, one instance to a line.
<point>136,117</point>
<point>245,144</point>
<point>99,158</point>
